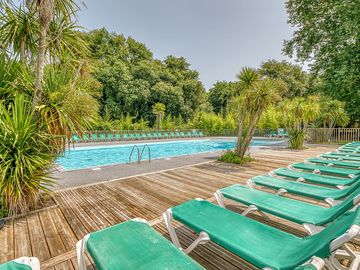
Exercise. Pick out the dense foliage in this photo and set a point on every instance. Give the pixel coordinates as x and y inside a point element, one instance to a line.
<point>133,81</point>
<point>328,36</point>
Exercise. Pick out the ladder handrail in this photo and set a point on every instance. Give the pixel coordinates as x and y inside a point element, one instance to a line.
<point>138,152</point>
<point>142,151</point>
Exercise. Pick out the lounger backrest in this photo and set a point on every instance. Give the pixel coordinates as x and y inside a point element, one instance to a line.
<point>346,205</point>
<point>333,231</point>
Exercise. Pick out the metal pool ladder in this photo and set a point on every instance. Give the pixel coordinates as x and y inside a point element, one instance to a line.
<point>149,152</point>
<point>139,155</point>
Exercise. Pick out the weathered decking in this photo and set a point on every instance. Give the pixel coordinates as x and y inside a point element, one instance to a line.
<point>51,234</point>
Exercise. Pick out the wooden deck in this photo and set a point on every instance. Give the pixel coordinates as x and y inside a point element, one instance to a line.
<point>51,234</point>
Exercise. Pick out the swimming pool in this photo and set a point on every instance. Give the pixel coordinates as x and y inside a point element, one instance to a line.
<point>96,156</point>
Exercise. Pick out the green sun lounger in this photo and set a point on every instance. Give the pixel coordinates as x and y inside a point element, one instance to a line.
<point>311,216</point>
<point>102,137</point>
<point>132,245</point>
<point>23,263</point>
<point>326,170</point>
<point>75,138</point>
<point>137,136</point>
<point>326,162</point>
<point>149,136</point>
<point>143,136</point>
<point>166,135</point>
<point>172,134</point>
<point>160,135</point>
<point>189,134</point>
<point>201,134</point>
<point>349,150</point>
<point>345,154</point>
<point>340,158</point>
<point>316,192</point>
<point>125,136</point>
<point>117,136</point>
<point>94,137</point>
<point>86,137</point>
<point>132,136</point>
<point>182,134</point>
<point>177,134</point>
<point>110,137</point>
<point>314,178</point>
<point>262,245</point>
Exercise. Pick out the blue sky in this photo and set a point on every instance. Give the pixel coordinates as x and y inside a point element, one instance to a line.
<point>217,37</point>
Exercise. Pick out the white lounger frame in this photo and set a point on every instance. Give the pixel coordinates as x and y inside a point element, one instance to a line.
<point>33,262</point>
<point>81,247</point>
<point>338,247</point>
<point>316,171</point>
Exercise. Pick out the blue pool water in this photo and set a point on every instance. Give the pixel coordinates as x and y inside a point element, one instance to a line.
<point>89,157</point>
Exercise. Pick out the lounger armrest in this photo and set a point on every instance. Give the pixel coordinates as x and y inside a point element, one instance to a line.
<point>317,262</point>
<point>345,238</point>
<point>33,262</point>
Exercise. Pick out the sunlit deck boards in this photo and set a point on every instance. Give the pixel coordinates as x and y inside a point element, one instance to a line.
<point>51,234</point>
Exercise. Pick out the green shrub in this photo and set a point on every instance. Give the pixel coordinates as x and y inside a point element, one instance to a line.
<point>26,157</point>
<point>231,157</point>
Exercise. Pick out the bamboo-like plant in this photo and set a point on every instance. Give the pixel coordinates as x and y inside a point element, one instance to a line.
<point>297,114</point>
<point>25,157</point>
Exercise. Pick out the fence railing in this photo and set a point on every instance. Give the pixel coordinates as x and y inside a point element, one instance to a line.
<point>333,135</point>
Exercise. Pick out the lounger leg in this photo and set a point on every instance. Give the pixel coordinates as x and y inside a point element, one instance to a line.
<point>220,200</point>
<point>253,208</point>
<point>80,252</point>
<point>167,219</point>
<point>201,239</point>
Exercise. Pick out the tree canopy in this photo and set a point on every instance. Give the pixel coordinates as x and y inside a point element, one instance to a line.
<point>133,80</point>
<point>328,36</point>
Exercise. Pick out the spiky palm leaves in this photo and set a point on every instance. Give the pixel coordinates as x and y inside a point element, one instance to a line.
<point>25,156</point>
<point>256,94</point>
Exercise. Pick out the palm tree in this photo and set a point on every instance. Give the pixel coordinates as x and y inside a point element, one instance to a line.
<point>256,94</point>
<point>158,109</point>
<point>46,10</point>
<point>19,31</point>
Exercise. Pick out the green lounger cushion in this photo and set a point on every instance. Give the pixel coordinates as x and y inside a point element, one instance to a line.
<point>286,208</point>
<point>303,189</point>
<point>345,154</point>
<point>337,157</point>
<point>258,243</point>
<point>135,245</point>
<point>315,178</point>
<point>325,169</point>
<point>14,266</point>
<point>355,165</point>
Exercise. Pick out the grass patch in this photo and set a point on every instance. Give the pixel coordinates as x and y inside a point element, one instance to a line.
<point>231,157</point>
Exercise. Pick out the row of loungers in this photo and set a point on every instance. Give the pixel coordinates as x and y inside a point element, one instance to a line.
<point>103,137</point>
<point>331,177</point>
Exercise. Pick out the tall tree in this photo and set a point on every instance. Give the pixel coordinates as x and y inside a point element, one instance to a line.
<point>328,36</point>
<point>256,94</point>
<point>297,80</point>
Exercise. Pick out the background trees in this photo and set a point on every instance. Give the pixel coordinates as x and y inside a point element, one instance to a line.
<point>327,36</point>
<point>133,81</point>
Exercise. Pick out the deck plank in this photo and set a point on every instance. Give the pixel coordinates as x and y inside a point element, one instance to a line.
<point>52,234</point>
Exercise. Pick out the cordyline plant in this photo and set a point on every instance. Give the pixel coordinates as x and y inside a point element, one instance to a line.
<point>25,159</point>
<point>256,94</point>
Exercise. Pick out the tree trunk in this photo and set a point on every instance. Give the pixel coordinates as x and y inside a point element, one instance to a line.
<point>40,67</point>
<point>250,133</point>
<point>240,131</point>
